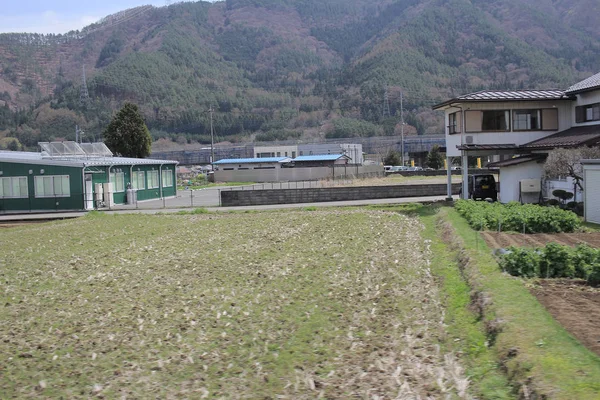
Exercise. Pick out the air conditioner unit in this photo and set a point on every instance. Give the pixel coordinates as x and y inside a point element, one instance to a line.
<point>469,139</point>
<point>531,186</point>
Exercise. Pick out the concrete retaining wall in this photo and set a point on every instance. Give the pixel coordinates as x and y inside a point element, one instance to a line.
<point>295,196</point>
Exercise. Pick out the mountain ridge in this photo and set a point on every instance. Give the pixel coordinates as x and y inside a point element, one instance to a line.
<point>279,69</point>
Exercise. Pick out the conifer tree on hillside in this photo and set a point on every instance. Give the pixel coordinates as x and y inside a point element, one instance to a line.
<point>435,159</point>
<point>127,134</point>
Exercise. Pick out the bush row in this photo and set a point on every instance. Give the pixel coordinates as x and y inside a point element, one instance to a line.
<point>554,261</point>
<point>527,218</point>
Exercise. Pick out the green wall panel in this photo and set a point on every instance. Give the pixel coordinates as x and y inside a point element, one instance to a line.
<point>74,202</point>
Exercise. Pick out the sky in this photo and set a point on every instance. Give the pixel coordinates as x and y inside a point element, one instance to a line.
<point>61,16</point>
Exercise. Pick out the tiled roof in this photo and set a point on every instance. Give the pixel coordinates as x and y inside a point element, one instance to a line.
<point>517,161</point>
<point>593,82</point>
<point>507,95</point>
<point>253,160</point>
<point>572,137</point>
<point>320,157</point>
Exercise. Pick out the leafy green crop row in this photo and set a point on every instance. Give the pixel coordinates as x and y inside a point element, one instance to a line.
<point>526,218</point>
<point>554,261</point>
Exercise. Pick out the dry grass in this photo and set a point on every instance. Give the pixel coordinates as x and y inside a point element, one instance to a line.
<point>392,180</point>
<point>332,304</point>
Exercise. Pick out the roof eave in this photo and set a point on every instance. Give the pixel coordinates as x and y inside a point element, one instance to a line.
<point>579,91</point>
<point>449,103</point>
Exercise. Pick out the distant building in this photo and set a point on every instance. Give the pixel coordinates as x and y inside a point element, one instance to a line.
<point>244,164</point>
<point>275,151</point>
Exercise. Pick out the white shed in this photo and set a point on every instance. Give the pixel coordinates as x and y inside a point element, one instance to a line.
<point>514,173</point>
<point>591,182</point>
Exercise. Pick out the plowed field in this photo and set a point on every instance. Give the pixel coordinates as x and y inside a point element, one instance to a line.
<point>576,306</point>
<point>500,240</point>
<point>335,304</point>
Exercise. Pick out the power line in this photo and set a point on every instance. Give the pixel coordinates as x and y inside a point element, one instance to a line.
<point>84,96</point>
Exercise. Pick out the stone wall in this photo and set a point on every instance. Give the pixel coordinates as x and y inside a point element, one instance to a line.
<point>295,196</point>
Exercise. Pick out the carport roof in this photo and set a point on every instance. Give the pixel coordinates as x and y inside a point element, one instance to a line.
<point>517,160</point>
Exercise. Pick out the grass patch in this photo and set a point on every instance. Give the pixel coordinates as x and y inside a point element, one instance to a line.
<point>214,184</point>
<point>539,356</point>
<point>466,327</point>
<point>591,227</point>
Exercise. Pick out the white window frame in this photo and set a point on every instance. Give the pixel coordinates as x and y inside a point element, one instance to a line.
<point>167,178</point>
<point>19,182</point>
<point>118,181</point>
<point>521,120</point>
<point>51,190</point>
<point>137,178</point>
<point>153,179</point>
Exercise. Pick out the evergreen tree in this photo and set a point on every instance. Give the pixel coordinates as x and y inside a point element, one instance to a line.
<point>127,134</point>
<point>435,159</point>
<point>392,158</point>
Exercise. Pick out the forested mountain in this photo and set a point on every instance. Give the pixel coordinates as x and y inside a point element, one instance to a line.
<point>277,69</point>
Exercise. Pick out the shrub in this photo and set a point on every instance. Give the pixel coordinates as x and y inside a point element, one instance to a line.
<point>557,262</point>
<point>583,260</point>
<point>594,278</point>
<point>562,194</point>
<point>554,261</point>
<point>521,262</point>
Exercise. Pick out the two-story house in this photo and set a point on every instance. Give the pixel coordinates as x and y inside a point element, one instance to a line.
<point>516,129</point>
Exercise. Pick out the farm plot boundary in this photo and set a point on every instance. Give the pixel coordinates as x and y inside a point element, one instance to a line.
<point>502,240</point>
<point>541,359</point>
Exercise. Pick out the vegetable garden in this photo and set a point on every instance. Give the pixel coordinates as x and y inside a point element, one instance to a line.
<point>516,217</point>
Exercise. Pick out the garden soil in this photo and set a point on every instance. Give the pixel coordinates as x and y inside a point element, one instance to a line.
<point>500,240</point>
<point>575,305</point>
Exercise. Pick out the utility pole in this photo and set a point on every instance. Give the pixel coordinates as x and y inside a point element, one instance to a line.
<point>386,102</point>
<point>212,139</point>
<point>402,126</point>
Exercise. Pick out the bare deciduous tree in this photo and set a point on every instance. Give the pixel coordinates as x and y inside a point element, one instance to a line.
<point>567,163</point>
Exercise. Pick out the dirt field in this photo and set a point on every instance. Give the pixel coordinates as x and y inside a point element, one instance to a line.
<point>500,240</point>
<point>576,306</point>
<point>336,304</point>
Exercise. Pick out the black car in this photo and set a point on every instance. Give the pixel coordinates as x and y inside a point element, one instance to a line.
<point>482,187</point>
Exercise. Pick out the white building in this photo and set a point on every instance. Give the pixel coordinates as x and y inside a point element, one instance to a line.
<point>518,128</point>
<point>275,151</point>
<point>591,181</point>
